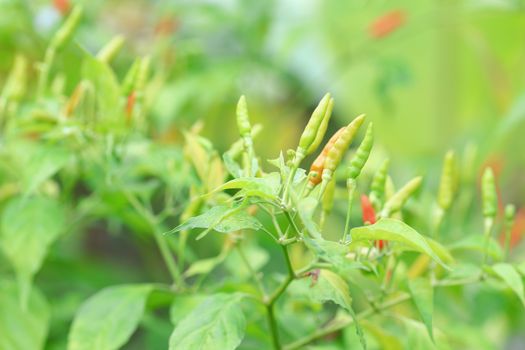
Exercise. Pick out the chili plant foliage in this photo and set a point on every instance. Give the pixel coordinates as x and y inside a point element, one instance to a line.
<point>72,161</point>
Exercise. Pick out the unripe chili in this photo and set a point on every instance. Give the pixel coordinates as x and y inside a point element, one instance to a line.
<point>336,152</point>
<point>447,183</point>
<point>377,193</point>
<point>322,127</point>
<point>489,194</point>
<point>361,155</point>
<point>310,131</point>
<point>396,202</point>
<point>243,121</point>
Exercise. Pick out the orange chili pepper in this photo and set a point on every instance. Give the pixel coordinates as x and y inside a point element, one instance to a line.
<point>130,104</point>
<point>314,177</point>
<point>387,23</point>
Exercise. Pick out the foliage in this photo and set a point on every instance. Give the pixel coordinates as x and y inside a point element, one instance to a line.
<point>123,225</point>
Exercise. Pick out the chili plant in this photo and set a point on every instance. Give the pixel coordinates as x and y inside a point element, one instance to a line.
<point>256,257</point>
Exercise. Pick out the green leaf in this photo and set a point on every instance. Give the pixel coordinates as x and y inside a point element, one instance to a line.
<point>511,277</point>
<point>182,305</point>
<point>306,209</point>
<point>265,187</point>
<point>423,296</point>
<point>477,243</point>
<point>45,162</point>
<point>107,320</point>
<point>396,231</point>
<point>217,323</point>
<point>221,219</point>
<point>334,253</point>
<point>331,287</point>
<point>22,328</point>
<point>205,266</point>
<point>521,268</point>
<point>231,166</point>
<point>28,227</point>
<point>442,252</point>
<point>387,341</point>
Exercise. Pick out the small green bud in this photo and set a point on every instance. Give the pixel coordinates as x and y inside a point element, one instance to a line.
<point>489,194</point>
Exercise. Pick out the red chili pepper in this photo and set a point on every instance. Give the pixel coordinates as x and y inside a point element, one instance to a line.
<point>369,217</point>
<point>62,6</point>
<point>387,23</point>
<point>130,104</point>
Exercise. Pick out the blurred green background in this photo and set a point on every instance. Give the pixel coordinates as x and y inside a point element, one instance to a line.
<point>448,74</point>
<point>431,75</point>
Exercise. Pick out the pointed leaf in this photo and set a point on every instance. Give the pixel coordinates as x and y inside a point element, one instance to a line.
<point>423,296</point>
<point>477,243</point>
<point>396,231</point>
<point>331,287</point>
<point>22,329</point>
<point>43,164</point>
<point>217,323</point>
<point>107,320</point>
<point>265,187</point>
<point>511,277</point>
<point>221,219</point>
<point>28,227</point>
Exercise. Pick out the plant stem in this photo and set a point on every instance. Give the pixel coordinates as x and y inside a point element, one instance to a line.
<point>273,327</point>
<point>351,190</point>
<point>169,260</point>
<point>270,302</point>
<point>292,223</point>
<point>338,324</point>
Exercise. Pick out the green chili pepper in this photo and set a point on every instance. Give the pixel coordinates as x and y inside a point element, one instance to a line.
<point>335,154</point>
<point>377,193</point>
<point>447,183</point>
<point>110,50</point>
<point>64,34</point>
<point>310,133</point>
<point>510,216</point>
<point>142,74</point>
<point>361,155</point>
<point>236,148</point>
<point>322,127</point>
<point>15,86</point>
<point>128,85</point>
<point>243,121</point>
<point>396,202</point>
<point>489,194</point>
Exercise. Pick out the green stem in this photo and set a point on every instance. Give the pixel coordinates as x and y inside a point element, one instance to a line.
<point>489,222</point>
<point>338,324</point>
<point>273,327</point>
<point>292,223</point>
<point>169,260</point>
<point>351,190</point>
<point>274,330</point>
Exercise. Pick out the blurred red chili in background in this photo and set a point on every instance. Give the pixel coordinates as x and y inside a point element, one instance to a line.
<point>129,105</point>
<point>387,23</point>
<point>62,6</point>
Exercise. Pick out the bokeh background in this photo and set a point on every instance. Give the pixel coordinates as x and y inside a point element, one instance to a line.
<point>432,75</point>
